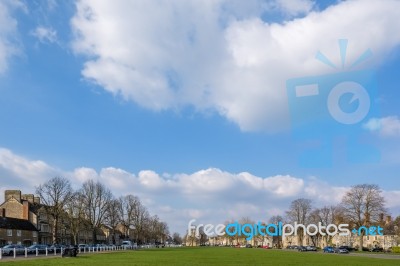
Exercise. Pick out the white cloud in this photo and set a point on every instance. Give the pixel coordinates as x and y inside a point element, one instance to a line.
<point>8,32</point>
<point>217,55</point>
<point>19,172</point>
<point>210,195</point>
<point>284,185</point>
<point>45,34</point>
<point>294,7</point>
<point>387,126</point>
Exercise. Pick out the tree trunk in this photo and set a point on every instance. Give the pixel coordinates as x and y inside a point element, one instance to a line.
<point>94,236</point>
<point>54,230</point>
<point>361,242</point>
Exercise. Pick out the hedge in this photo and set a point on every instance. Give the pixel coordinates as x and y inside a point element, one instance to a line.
<point>396,249</point>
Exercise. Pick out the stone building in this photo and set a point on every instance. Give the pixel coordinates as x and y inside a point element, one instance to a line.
<point>17,231</point>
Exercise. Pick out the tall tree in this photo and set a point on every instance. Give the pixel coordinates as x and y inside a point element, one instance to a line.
<point>363,205</point>
<point>113,217</point>
<point>128,206</point>
<point>276,240</point>
<point>140,217</point>
<point>75,216</point>
<point>96,199</point>
<point>55,194</point>
<point>325,215</point>
<point>299,212</point>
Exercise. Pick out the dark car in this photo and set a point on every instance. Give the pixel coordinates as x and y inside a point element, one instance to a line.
<point>301,248</point>
<point>41,249</point>
<point>329,249</point>
<point>348,248</point>
<point>376,249</point>
<point>56,248</point>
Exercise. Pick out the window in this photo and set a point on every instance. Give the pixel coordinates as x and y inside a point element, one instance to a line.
<point>45,228</point>
<point>34,234</point>
<point>9,232</point>
<point>18,232</point>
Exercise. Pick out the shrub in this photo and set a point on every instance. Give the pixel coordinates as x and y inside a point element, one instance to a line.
<point>396,249</point>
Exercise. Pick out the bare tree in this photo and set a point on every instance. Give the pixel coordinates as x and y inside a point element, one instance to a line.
<point>325,215</point>
<point>128,206</point>
<point>55,194</point>
<point>96,198</point>
<point>139,219</point>
<point>276,240</point>
<point>113,217</point>
<point>75,216</point>
<point>299,212</point>
<point>363,205</point>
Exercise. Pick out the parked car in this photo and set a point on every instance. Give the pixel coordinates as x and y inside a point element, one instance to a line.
<point>348,248</point>
<point>341,250</point>
<point>301,248</point>
<point>57,248</point>
<point>128,244</point>
<point>376,249</point>
<point>328,249</point>
<point>41,249</point>
<point>311,248</point>
<point>8,250</point>
<point>83,246</point>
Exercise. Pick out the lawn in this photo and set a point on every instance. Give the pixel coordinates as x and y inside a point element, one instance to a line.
<point>208,256</point>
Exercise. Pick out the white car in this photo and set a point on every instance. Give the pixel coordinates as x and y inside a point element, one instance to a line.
<point>9,250</point>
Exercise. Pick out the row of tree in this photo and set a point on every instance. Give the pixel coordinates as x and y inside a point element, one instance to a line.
<point>362,205</point>
<point>94,206</point>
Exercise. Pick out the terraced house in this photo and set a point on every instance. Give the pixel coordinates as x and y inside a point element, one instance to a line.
<point>18,220</point>
<point>24,220</point>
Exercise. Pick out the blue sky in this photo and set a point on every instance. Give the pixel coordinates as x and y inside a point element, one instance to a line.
<point>185,96</point>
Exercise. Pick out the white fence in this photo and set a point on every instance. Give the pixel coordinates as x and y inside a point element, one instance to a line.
<point>18,253</point>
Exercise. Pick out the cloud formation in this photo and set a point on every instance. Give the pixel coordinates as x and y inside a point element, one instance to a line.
<point>209,195</point>
<point>8,32</point>
<point>45,34</point>
<point>222,55</point>
<point>386,126</point>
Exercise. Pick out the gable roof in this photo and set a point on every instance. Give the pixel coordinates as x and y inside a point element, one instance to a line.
<point>18,224</point>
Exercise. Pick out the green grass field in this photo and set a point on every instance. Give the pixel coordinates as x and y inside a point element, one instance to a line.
<point>208,256</point>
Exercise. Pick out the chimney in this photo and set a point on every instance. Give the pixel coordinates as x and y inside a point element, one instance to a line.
<point>381,218</point>
<point>388,219</point>
<point>36,200</point>
<point>25,210</point>
<point>16,194</point>
<point>28,197</point>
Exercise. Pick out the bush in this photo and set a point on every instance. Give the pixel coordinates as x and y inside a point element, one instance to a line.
<point>396,249</point>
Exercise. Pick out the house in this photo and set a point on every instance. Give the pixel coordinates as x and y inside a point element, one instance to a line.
<point>27,207</point>
<point>17,231</point>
